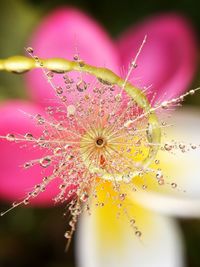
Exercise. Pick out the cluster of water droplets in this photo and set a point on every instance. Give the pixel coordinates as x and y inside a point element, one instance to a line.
<point>94,134</point>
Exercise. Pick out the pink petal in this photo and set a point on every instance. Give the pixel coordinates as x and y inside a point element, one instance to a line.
<point>168,59</point>
<point>63,33</point>
<point>16,181</point>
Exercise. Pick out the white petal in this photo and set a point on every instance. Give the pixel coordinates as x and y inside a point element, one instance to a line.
<point>164,248</point>
<point>182,168</point>
<point>169,205</point>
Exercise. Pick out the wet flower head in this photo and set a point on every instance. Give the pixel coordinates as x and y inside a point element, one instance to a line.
<point>101,131</point>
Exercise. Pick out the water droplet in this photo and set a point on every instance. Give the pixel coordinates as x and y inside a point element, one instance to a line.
<point>57,151</point>
<point>173,185</point>
<point>84,197</point>
<point>138,233</point>
<point>29,50</point>
<point>68,235</point>
<point>122,196</point>
<point>67,79</point>
<point>14,204</point>
<point>81,86</point>
<point>28,136</point>
<point>26,201</point>
<point>118,98</point>
<point>191,92</point>
<point>71,109</point>
<point>161,182</point>
<point>132,221</point>
<point>63,98</point>
<point>10,137</point>
<point>76,57</point>
<point>112,88</point>
<point>45,162</point>
<point>168,147</point>
<point>164,105</point>
<point>40,119</point>
<point>59,90</point>
<point>49,74</point>
<point>182,146</point>
<point>128,124</point>
<point>28,165</point>
<point>37,186</point>
<point>81,63</point>
<point>159,175</point>
<point>36,58</point>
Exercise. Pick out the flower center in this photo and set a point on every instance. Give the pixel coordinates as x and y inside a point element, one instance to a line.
<point>100,142</point>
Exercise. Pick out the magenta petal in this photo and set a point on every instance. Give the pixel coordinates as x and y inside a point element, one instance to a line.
<point>168,59</point>
<point>15,181</point>
<point>64,33</point>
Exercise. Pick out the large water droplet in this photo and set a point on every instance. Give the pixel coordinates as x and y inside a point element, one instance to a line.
<point>10,137</point>
<point>45,162</point>
<point>81,86</point>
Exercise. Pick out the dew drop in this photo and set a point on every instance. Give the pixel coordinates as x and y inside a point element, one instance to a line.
<point>118,98</point>
<point>164,105</point>
<point>81,86</point>
<point>81,63</point>
<point>14,204</point>
<point>29,50</point>
<point>40,119</point>
<point>57,151</point>
<point>59,90</point>
<point>191,92</point>
<point>50,74</point>
<point>28,136</point>
<point>63,98</point>
<point>10,137</point>
<point>26,201</point>
<point>122,196</point>
<point>45,162</point>
<point>84,197</point>
<point>27,165</point>
<point>173,185</point>
<point>134,65</point>
<point>112,88</point>
<point>36,58</point>
<point>138,233</point>
<point>76,57</point>
<point>132,221</point>
<point>168,147</point>
<point>71,110</point>
<point>68,235</point>
<point>182,146</point>
<point>161,182</point>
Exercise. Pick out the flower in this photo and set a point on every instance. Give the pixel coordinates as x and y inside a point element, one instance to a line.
<point>97,143</point>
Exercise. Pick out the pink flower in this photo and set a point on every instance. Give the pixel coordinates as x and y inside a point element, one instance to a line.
<point>167,64</point>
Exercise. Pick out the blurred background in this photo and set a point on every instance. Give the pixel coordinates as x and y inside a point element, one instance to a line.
<point>34,236</point>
